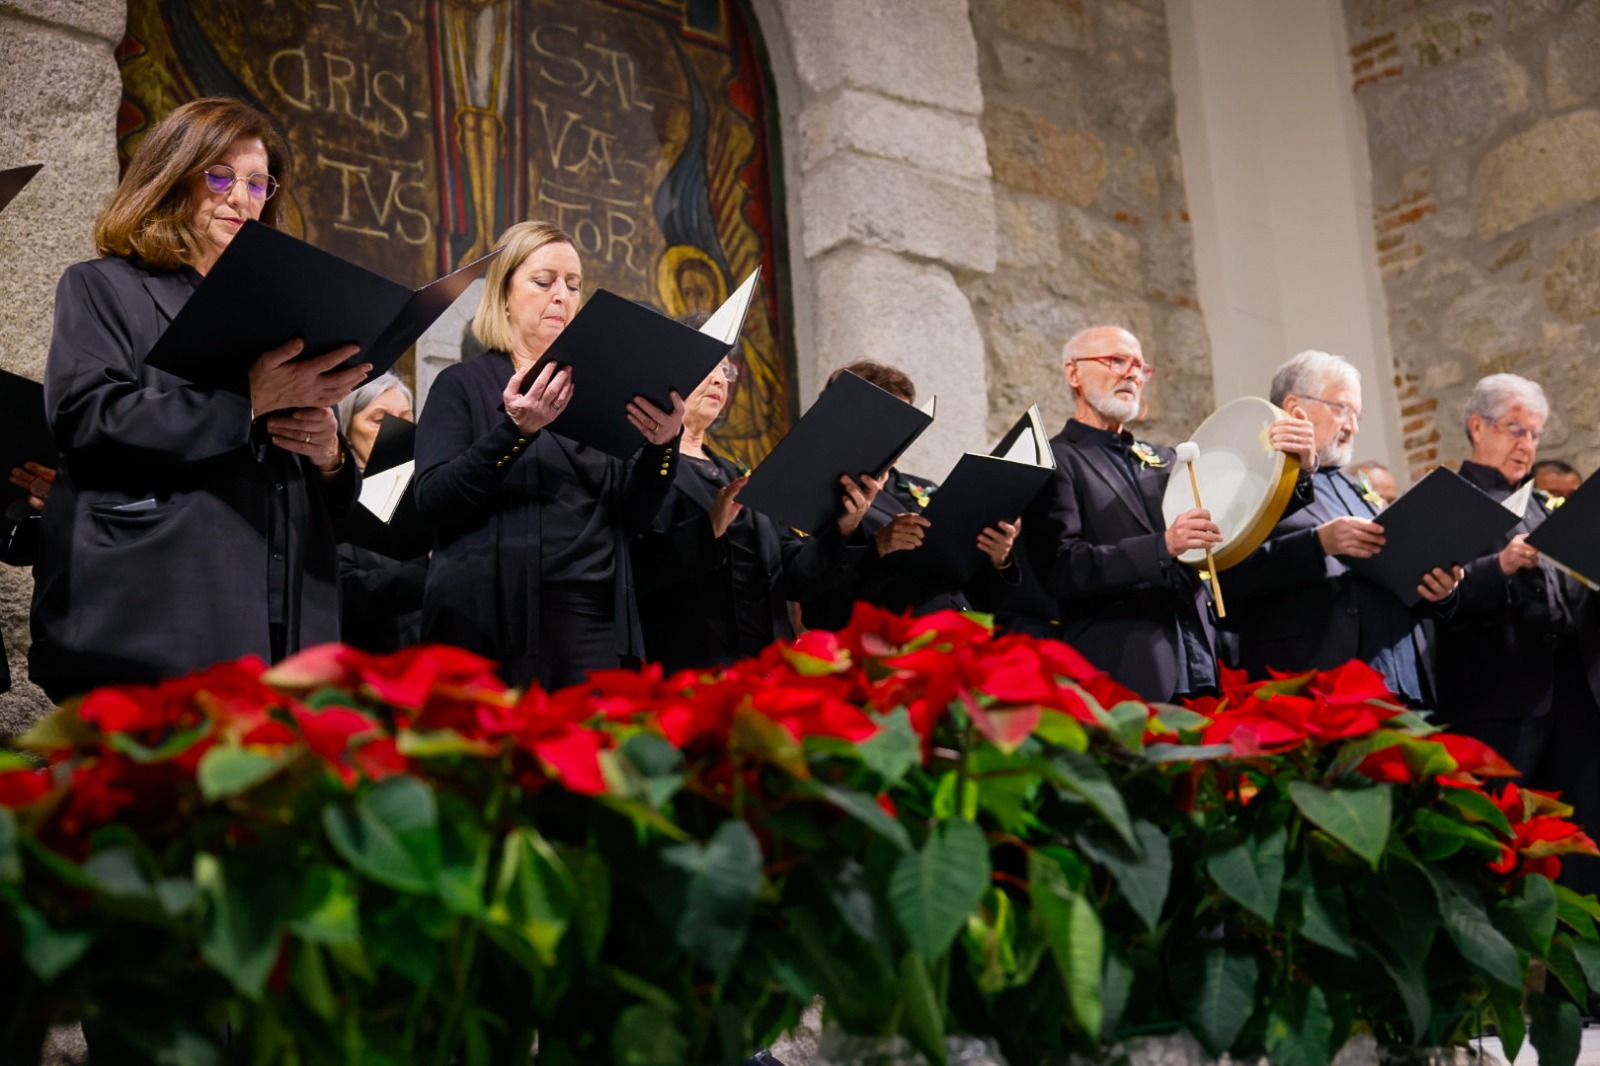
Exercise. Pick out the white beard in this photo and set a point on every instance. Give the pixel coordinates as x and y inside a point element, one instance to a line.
<point>1335,456</point>
<point>1118,408</point>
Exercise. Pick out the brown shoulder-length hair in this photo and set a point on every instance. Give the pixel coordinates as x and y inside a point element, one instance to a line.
<point>490,325</point>
<point>151,214</point>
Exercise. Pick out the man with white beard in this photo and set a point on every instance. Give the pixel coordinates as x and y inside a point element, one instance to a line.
<point>1294,603</point>
<point>1097,540</point>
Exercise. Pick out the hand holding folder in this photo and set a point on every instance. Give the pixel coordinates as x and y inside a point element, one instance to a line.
<point>269,289</point>
<point>616,350</point>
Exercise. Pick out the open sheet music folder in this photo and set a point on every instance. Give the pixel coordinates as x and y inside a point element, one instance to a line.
<point>1442,521</point>
<point>854,428</point>
<point>388,521</point>
<point>12,180</point>
<point>24,432</point>
<point>981,491</point>
<point>1568,537</point>
<point>618,349</point>
<point>268,288</point>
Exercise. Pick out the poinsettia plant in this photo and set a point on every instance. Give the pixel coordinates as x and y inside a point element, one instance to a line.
<point>937,829</point>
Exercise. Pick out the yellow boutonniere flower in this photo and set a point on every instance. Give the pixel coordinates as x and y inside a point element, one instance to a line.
<point>1370,494</point>
<point>1147,455</point>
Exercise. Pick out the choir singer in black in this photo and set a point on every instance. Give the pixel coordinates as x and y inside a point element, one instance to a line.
<point>186,525</point>
<point>531,566</point>
<point>715,579</point>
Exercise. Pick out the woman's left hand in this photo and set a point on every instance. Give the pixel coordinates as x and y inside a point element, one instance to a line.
<point>997,543</point>
<point>36,480</point>
<point>658,426</point>
<point>309,431</point>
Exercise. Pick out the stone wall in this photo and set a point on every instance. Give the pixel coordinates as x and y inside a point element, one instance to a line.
<point>59,89</point>
<point>1483,121</point>
<point>1089,198</point>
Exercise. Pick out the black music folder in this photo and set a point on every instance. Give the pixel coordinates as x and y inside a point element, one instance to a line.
<point>1442,520</point>
<point>982,491</point>
<point>24,433</point>
<point>1567,537</point>
<point>388,521</point>
<point>854,428</point>
<point>618,349</point>
<point>12,181</point>
<point>268,288</point>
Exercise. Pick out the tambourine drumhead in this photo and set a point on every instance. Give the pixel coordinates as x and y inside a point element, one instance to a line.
<point>1244,483</point>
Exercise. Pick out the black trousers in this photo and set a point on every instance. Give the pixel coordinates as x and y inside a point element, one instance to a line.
<point>572,642</point>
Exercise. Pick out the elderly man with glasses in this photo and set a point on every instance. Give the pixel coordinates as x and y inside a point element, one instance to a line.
<point>1097,539</point>
<point>1518,660</point>
<point>1296,605</point>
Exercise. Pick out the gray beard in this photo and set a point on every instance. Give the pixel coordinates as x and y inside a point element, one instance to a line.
<point>1335,456</point>
<point>1115,407</point>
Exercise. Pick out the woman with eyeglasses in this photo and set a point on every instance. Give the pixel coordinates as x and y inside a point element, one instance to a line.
<point>715,578</point>
<point>186,525</point>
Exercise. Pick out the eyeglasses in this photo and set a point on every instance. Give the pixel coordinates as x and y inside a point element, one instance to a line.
<point>221,179</point>
<point>1121,365</point>
<point>1519,432</point>
<point>730,371</point>
<point>1341,411</point>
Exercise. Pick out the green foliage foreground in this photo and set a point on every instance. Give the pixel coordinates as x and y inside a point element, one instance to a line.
<point>352,859</point>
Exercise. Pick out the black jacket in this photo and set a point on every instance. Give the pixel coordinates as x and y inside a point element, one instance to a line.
<point>1495,655</point>
<point>1294,607</point>
<point>686,578</point>
<point>478,482</point>
<point>154,554</point>
<point>1097,540</point>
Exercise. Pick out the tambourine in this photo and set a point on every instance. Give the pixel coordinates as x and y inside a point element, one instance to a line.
<point>1245,482</point>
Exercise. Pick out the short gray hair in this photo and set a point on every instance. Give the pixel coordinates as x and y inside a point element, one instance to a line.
<point>1311,372</point>
<point>1493,396</point>
<point>363,397</point>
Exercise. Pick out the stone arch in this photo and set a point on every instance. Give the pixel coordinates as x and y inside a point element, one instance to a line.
<point>890,203</point>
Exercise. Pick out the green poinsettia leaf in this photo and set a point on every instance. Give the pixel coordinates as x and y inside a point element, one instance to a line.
<point>170,748</point>
<point>1556,1032</point>
<point>592,877</point>
<point>924,1021</point>
<point>308,976</point>
<point>240,917</point>
<point>1062,730</point>
<point>1529,918</point>
<point>48,951</point>
<point>1216,990</point>
<point>463,856</point>
<point>534,896</point>
<point>10,853</point>
<point>1587,955</point>
<point>864,809</point>
<point>118,872</point>
<point>645,1036</point>
<point>1563,963</point>
<point>1412,984</point>
<point>391,834</point>
<point>724,880</point>
<point>1505,1007</point>
<point>1358,818</point>
<point>932,891</point>
<point>1250,872</point>
<point>894,750</point>
<point>1076,937</point>
<point>1144,874</point>
<point>1162,753</point>
<point>1476,808</point>
<point>1300,1028</point>
<point>1439,836</point>
<point>1324,917</point>
<point>226,771</point>
<point>1479,942</point>
<point>1084,778</point>
<point>325,908</point>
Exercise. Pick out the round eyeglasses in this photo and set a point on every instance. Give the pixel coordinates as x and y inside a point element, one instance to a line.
<point>221,179</point>
<point>730,371</point>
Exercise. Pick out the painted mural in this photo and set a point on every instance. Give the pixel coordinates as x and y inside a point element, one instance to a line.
<point>421,128</point>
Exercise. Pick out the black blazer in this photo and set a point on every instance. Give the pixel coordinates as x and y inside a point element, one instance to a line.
<point>1099,549</point>
<point>153,555</point>
<point>685,575</point>
<point>478,483</point>
<point>1301,609</point>
<point>380,599</point>
<point>1495,655</point>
